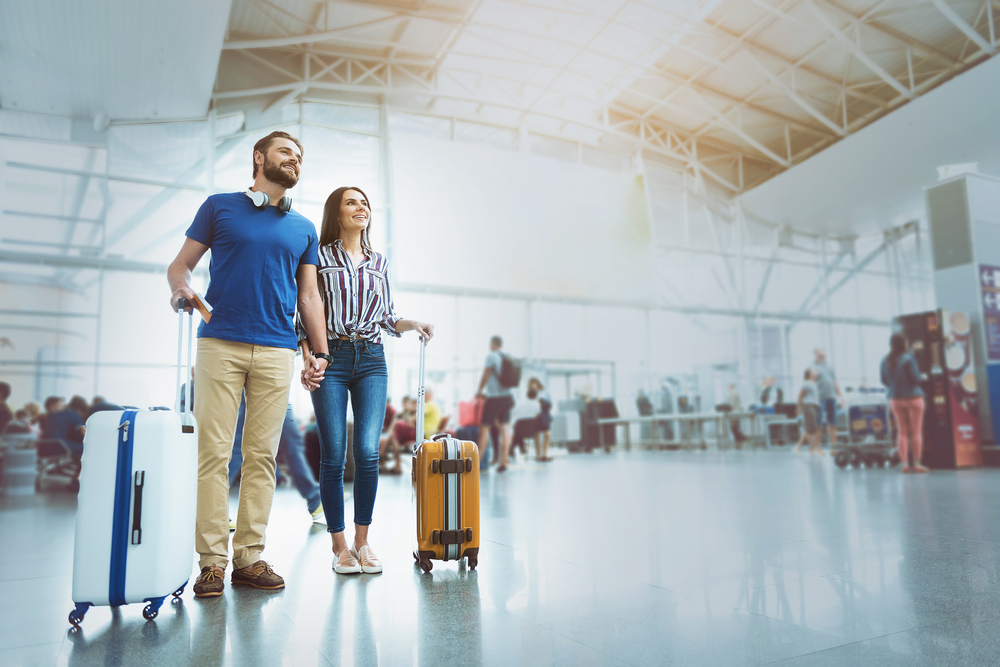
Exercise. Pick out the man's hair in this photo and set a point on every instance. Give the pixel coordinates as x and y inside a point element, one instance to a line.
<point>21,414</point>
<point>264,145</point>
<point>51,401</point>
<point>98,400</point>
<point>496,340</point>
<point>4,391</point>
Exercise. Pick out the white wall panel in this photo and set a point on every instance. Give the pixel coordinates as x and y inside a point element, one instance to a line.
<point>506,220</point>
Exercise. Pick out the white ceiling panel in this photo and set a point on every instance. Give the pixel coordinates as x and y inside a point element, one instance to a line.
<point>129,59</point>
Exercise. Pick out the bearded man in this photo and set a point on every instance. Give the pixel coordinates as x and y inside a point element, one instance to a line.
<point>264,258</point>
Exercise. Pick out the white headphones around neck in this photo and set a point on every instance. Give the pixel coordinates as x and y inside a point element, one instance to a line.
<point>262,201</point>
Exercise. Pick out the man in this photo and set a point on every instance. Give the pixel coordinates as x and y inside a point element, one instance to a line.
<point>499,403</point>
<point>6,416</point>
<point>829,393</point>
<point>735,405</point>
<point>264,258</point>
<point>432,414</point>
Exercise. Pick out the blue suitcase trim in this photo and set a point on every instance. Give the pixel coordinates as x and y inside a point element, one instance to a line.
<point>123,493</point>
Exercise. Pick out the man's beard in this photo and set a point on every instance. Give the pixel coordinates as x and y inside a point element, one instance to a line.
<point>274,172</point>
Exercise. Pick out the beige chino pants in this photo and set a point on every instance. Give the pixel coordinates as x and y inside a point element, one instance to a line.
<point>222,371</point>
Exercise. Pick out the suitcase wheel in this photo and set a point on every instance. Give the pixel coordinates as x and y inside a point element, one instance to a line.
<point>180,591</point>
<point>424,563</point>
<point>473,562</point>
<point>149,613</point>
<point>76,616</point>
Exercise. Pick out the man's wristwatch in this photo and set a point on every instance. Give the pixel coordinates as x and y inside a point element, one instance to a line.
<point>322,355</point>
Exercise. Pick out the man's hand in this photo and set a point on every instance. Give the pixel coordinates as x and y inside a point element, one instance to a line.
<point>313,373</point>
<point>183,293</point>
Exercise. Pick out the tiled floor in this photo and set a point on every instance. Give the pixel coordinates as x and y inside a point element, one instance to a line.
<point>671,558</point>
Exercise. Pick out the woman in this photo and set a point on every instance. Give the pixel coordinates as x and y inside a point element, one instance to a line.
<point>543,422</point>
<point>901,377</point>
<point>354,283</point>
<point>809,411</point>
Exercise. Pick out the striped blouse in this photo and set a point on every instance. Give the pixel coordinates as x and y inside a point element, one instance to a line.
<point>357,302</point>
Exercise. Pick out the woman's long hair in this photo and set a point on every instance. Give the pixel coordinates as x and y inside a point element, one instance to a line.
<point>897,348</point>
<point>330,231</point>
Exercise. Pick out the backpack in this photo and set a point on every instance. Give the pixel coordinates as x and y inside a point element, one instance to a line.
<point>510,372</point>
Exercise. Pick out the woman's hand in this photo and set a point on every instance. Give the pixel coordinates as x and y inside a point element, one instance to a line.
<point>313,373</point>
<point>426,331</point>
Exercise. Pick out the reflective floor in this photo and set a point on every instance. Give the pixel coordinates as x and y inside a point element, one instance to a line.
<point>668,558</point>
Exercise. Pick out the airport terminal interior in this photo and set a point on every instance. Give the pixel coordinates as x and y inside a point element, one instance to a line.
<point>658,332</point>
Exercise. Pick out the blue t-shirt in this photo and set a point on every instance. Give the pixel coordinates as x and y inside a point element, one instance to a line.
<point>255,255</point>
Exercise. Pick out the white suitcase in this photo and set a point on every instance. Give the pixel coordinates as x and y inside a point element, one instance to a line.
<point>135,519</point>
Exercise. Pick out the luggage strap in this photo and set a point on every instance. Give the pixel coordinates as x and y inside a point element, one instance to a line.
<point>451,466</point>
<point>451,536</point>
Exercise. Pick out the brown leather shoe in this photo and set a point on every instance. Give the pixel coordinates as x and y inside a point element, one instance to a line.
<point>258,575</point>
<point>211,582</point>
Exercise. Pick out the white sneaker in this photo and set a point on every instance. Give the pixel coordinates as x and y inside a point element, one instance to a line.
<point>370,564</point>
<point>346,563</point>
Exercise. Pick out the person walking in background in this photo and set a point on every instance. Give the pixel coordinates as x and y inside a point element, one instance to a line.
<point>901,377</point>
<point>543,422</point>
<point>498,406</point>
<point>355,289</point>
<point>830,396</point>
<point>263,266</point>
<point>809,411</point>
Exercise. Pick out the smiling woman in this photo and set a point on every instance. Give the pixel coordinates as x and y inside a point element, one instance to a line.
<point>354,283</point>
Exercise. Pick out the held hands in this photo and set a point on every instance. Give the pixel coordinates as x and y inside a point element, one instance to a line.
<point>313,373</point>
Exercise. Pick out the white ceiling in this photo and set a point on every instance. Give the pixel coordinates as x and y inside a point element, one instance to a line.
<point>874,178</point>
<point>735,91</point>
<point>128,58</point>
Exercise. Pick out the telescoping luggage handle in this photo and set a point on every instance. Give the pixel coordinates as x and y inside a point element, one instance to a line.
<point>420,397</point>
<point>186,405</point>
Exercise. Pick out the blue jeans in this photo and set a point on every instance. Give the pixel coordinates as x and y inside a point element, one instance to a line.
<point>359,368</point>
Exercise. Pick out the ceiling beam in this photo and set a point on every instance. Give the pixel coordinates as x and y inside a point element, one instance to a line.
<point>309,38</point>
<point>857,51</point>
<point>966,29</point>
<point>798,99</point>
<point>389,91</point>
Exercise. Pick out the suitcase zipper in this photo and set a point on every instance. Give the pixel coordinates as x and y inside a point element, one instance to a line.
<point>120,533</point>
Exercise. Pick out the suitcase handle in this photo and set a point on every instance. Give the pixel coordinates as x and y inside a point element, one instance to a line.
<point>140,480</point>
<point>186,406</point>
<point>420,397</point>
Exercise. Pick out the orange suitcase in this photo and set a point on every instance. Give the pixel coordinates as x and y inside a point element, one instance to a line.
<point>445,494</point>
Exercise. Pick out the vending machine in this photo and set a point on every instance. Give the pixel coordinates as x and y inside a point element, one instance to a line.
<point>940,341</point>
